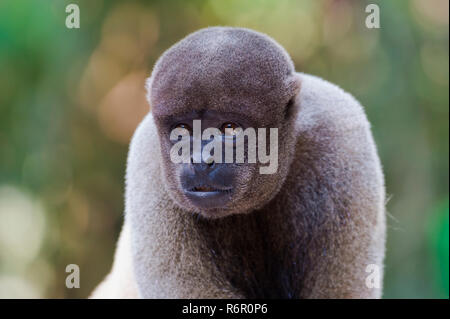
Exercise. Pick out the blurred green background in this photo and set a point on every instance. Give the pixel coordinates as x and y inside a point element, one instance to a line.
<point>70,100</point>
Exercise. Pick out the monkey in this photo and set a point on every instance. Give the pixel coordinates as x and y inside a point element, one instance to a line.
<point>224,230</point>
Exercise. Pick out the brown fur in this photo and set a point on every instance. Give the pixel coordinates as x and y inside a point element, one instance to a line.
<point>308,231</point>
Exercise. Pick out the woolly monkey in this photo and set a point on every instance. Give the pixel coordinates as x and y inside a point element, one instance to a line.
<point>225,230</point>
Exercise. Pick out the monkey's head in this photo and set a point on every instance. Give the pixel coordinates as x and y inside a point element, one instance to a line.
<point>228,78</point>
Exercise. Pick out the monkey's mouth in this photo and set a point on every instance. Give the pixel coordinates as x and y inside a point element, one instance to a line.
<point>206,196</point>
<point>209,189</point>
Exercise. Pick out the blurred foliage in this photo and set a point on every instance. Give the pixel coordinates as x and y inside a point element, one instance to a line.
<point>70,100</point>
<point>438,237</point>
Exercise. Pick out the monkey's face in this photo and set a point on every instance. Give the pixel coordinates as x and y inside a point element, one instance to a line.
<point>200,182</point>
<point>220,174</point>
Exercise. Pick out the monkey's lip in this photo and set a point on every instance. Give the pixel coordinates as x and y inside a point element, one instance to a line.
<point>208,189</point>
<point>208,196</point>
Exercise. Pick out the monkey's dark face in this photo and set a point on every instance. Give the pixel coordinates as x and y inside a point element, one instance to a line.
<point>212,188</point>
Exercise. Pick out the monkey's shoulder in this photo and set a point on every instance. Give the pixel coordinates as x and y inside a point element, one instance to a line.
<point>334,143</point>
<point>325,106</point>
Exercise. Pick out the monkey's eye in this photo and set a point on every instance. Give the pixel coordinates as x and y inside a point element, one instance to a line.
<point>230,129</point>
<point>183,127</point>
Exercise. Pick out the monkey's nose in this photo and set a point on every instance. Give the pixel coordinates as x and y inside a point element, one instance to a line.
<point>203,167</point>
<point>202,163</point>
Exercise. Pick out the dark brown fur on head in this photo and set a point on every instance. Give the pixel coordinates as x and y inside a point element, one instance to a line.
<point>225,69</point>
<point>235,71</point>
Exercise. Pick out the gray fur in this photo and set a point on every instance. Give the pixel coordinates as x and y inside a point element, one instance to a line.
<point>308,231</point>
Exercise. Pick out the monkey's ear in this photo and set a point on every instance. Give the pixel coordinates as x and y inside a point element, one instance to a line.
<point>293,105</point>
<point>148,85</point>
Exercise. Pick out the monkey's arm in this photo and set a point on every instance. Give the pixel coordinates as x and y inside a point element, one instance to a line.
<point>351,261</point>
<point>120,282</point>
<point>342,194</point>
